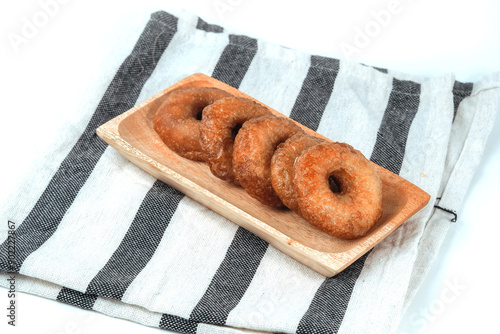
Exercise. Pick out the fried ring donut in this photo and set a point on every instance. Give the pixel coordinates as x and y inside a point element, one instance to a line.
<point>219,126</point>
<point>352,211</point>
<point>282,167</point>
<point>254,147</point>
<point>177,121</point>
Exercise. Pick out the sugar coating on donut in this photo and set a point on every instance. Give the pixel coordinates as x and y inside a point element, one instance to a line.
<point>219,126</point>
<point>349,213</point>
<point>177,121</point>
<point>254,147</point>
<point>273,159</point>
<point>282,164</point>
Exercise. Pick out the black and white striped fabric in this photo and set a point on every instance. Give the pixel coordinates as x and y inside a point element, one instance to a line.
<point>96,232</point>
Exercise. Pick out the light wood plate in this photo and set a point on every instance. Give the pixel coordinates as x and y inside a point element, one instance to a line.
<point>133,136</point>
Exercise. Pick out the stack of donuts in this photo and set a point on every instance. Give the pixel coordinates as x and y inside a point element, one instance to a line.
<point>331,185</point>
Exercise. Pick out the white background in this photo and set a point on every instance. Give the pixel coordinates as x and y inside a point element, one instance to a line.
<point>42,78</point>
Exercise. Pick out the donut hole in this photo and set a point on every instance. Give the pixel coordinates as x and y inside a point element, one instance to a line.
<point>235,130</point>
<point>199,113</point>
<point>334,184</point>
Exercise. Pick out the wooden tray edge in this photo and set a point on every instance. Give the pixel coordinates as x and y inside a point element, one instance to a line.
<point>327,264</point>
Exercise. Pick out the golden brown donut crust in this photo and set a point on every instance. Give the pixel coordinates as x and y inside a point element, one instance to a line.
<point>282,164</point>
<point>350,213</point>
<point>273,159</point>
<point>219,126</point>
<point>254,147</point>
<point>177,120</point>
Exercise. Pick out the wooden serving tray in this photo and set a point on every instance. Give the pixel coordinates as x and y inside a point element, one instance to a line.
<point>133,136</point>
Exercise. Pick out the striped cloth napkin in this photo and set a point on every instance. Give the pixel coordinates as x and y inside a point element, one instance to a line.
<point>94,231</point>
